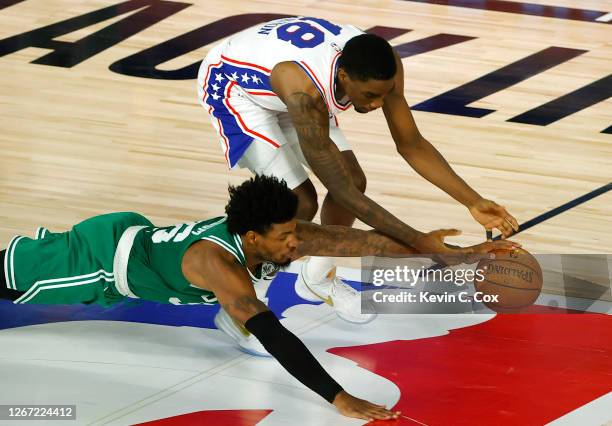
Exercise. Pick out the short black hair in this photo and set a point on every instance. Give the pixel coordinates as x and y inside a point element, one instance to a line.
<point>368,56</point>
<point>258,203</point>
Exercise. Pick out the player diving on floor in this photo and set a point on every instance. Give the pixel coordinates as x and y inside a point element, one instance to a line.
<point>110,258</point>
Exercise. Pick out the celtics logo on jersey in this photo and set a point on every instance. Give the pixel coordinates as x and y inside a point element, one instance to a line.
<point>269,270</point>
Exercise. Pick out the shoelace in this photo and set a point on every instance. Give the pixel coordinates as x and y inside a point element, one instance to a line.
<point>343,289</point>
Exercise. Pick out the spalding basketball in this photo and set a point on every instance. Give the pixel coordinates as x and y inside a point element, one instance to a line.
<point>513,280</point>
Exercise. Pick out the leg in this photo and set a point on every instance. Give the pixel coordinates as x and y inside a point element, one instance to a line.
<point>307,205</point>
<point>5,292</point>
<point>333,213</point>
<point>317,280</point>
<point>285,165</point>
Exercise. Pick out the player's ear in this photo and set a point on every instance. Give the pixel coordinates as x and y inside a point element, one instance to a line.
<point>251,237</point>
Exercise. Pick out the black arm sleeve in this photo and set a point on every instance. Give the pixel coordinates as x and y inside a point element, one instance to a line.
<point>292,354</point>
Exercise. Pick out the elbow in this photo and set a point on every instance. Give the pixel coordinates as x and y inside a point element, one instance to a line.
<point>404,151</point>
<point>352,190</point>
<point>411,148</point>
<point>346,196</point>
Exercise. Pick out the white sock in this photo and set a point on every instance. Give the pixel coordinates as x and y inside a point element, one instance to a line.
<point>317,268</point>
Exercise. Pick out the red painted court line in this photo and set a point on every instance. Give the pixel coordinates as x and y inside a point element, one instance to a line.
<point>213,417</point>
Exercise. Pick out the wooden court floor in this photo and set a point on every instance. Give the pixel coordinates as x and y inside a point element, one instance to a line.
<point>98,111</point>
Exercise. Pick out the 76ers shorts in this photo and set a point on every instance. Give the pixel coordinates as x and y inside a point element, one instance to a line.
<point>251,136</point>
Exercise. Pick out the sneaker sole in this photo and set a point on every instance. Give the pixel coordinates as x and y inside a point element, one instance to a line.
<point>220,325</point>
<point>352,320</point>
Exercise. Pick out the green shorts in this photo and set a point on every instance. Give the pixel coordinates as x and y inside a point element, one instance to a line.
<point>69,267</point>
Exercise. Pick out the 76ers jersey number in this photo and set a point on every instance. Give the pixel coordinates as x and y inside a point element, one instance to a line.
<point>301,33</point>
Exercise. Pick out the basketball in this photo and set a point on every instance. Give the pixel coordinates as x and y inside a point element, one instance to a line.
<point>515,277</point>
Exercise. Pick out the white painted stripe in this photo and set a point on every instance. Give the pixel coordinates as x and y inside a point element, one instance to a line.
<point>12,262</point>
<point>24,299</point>
<point>576,303</point>
<point>121,259</point>
<point>44,232</point>
<point>221,243</point>
<point>596,412</point>
<point>38,232</point>
<point>6,263</point>
<point>545,299</point>
<point>605,18</point>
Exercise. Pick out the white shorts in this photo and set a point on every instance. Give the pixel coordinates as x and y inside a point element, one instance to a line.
<point>260,139</point>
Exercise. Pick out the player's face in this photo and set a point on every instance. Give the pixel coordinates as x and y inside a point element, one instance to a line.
<point>369,95</point>
<point>279,244</point>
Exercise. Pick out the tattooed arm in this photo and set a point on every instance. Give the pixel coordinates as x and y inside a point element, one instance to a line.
<point>310,118</point>
<point>208,266</point>
<point>342,241</point>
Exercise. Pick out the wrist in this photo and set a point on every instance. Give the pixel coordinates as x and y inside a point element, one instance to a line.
<point>417,235</point>
<point>472,201</point>
<point>339,397</point>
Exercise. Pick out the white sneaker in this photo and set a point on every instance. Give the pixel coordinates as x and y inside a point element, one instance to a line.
<point>345,300</point>
<point>246,341</point>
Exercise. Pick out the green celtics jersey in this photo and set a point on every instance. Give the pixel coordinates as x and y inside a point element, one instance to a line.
<point>148,261</point>
<point>107,258</point>
<point>75,266</point>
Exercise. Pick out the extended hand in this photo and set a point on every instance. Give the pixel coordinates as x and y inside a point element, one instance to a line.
<point>491,215</point>
<point>484,250</point>
<point>433,243</point>
<point>350,406</point>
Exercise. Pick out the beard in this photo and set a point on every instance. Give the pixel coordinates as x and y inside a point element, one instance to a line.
<point>284,264</point>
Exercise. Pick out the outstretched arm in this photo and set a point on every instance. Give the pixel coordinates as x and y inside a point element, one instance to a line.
<point>422,156</point>
<point>342,241</point>
<point>310,118</point>
<point>427,161</point>
<point>207,265</point>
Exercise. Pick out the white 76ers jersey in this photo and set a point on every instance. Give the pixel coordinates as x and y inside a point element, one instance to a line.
<point>234,78</point>
<point>312,43</point>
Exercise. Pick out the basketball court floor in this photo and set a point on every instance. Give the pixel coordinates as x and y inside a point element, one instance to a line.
<point>99,113</point>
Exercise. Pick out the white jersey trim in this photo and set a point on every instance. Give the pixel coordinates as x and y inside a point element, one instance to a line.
<point>121,259</point>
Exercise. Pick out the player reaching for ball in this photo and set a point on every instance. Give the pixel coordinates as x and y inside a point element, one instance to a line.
<point>118,256</point>
<point>273,92</point>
